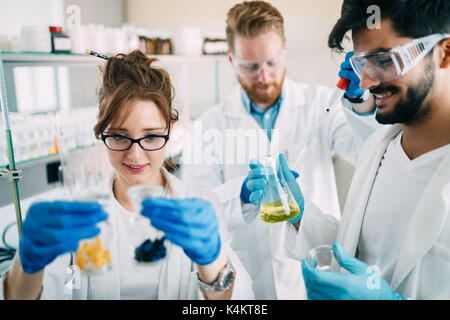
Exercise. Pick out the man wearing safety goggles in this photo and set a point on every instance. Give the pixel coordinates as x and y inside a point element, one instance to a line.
<point>289,118</point>
<point>393,240</point>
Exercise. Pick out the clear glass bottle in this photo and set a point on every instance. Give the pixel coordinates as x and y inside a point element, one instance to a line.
<point>147,243</point>
<point>93,256</point>
<point>278,204</point>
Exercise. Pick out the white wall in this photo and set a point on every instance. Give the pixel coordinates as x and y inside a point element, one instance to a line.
<point>14,14</point>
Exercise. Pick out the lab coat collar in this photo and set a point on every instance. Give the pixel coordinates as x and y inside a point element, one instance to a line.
<point>355,205</point>
<point>426,222</point>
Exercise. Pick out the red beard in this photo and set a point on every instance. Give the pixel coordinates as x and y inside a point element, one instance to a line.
<point>263,97</point>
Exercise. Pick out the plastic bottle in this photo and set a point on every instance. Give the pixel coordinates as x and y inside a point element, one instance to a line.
<point>60,42</point>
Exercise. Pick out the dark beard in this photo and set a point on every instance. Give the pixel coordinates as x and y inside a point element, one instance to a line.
<point>413,108</point>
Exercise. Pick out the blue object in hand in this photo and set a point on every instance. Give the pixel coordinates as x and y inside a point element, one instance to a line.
<point>54,228</point>
<point>189,223</point>
<point>252,190</point>
<point>346,71</point>
<point>362,283</point>
<point>291,181</point>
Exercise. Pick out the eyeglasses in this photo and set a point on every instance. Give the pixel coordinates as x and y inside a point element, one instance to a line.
<point>151,142</point>
<point>252,68</point>
<point>398,61</point>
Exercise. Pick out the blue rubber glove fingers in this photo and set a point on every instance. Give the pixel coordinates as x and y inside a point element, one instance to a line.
<point>35,255</point>
<point>61,214</point>
<point>347,72</point>
<point>54,228</point>
<point>348,262</point>
<point>252,190</point>
<point>188,223</point>
<point>328,285</point>
<point>361,283</point>
<point>293,185</point>
<point>369,277</point>
<point>256,187</point>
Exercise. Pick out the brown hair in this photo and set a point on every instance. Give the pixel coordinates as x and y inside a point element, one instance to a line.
<point>252,18</point>
<point>131,77</point>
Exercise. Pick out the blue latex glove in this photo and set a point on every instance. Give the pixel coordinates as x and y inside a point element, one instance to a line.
<point>252,189</point>
<point>188,223</point>
<point>293,186</point>
<point>360,284</point>
<point>54,228</point>
<point>353,89</point>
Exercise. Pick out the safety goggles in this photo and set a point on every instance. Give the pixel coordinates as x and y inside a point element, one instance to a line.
<point>385,66</point>
<point>252,68</point>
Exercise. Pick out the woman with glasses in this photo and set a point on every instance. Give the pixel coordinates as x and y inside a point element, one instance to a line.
<point>134,121</point>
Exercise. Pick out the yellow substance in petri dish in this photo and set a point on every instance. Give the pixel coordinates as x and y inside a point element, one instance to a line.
<point>274,212</point>
<point>92,252</point>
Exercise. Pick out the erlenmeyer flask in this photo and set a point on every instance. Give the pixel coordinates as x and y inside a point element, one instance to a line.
<point>147,243</point>
<point>278,203</point>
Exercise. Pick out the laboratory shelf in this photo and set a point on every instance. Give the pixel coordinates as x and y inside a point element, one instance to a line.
<point>33,57</point>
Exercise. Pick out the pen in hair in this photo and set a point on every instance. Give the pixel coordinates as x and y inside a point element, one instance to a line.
<point>96,54</point>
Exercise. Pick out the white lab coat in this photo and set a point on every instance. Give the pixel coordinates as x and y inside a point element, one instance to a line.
<point>259,245</point>
<point>423,266</point>
<point>178,274</point>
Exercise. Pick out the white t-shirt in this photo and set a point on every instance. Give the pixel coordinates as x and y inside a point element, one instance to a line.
<point>395,194</point>
<point>138,281</point>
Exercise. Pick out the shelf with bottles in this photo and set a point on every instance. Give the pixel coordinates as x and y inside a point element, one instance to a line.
<point>36,136</point>
<point>18,57</point>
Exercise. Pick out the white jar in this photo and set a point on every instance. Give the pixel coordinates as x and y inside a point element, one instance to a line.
<point>79,39</point>
<point>97,36</point>
<point>10,43</point>
<point>36,39</point>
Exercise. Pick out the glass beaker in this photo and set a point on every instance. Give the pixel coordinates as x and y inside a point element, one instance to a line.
<point>278,204</point>
<point>93,256</point>
<point>147,243</point>
<point>324,257</point>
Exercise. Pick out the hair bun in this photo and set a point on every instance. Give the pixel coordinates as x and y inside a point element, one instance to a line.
<point>136,57</point>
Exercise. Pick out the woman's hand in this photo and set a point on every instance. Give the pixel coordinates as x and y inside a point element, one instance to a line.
<point>49,230</point>
<point>54,228</point>
<point>188,223</point>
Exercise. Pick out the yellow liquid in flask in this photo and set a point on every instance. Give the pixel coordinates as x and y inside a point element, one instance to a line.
<point>273,212</point>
